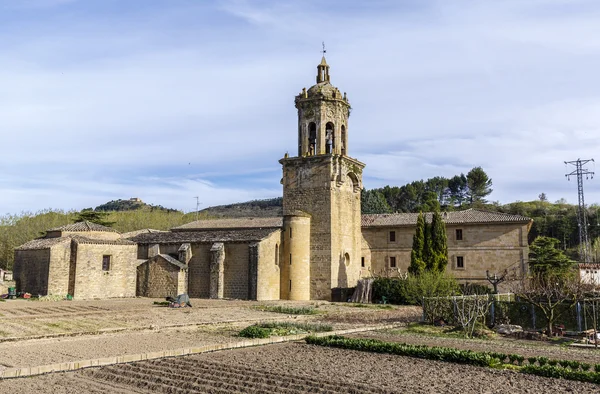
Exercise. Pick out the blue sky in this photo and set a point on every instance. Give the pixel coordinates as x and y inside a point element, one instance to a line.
<point>167,100</point>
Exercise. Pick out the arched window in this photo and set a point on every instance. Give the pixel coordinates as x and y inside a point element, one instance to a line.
<point>343,140</point>
<point>329,137</point>
<point>312,139</point>
<point>347,259</point>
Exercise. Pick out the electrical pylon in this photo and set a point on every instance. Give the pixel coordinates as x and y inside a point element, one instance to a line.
<point>584,244</point>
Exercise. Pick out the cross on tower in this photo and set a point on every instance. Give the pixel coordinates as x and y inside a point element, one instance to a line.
<point>324,51</point>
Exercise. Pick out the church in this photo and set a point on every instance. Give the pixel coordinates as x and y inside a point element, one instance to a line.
<point>321,243</point>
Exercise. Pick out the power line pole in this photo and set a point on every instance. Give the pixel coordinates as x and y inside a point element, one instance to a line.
<point>197,206</point>
<point>584,244</point>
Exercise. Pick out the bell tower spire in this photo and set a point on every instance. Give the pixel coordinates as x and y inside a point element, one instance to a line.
<point>323,68</point>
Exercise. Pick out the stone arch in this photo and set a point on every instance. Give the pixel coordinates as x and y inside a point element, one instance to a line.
<point>329,137</point>
<point>312,138</point>
<point>355,182</point>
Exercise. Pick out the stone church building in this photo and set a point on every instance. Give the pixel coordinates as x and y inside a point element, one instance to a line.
<point>322,242</point>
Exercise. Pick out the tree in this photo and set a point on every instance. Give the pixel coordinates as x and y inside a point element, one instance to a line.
<point>428,248</point>
<point>543,197</point>
<point>457,187</point>
<point>373,201</point>
<point>549,292</point>
<point>93,217</point>
<point>546,259</point>
<point>417,264</point>
<point>439,245</point>
<point>479,184</point>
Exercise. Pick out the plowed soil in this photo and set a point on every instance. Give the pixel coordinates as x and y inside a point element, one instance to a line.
<point>293,368</point>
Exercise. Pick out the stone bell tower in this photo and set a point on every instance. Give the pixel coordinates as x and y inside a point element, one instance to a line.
<point>321,198</point>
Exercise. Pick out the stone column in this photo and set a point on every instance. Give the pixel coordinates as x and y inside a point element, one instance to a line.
<point>217,270</point>
<point>253,271</point>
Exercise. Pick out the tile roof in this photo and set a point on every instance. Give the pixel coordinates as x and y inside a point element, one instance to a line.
<point>132,234</point>
<point>243,235</point>
<point>47,243</point>
<point>473,216</point>
<point>233,223</point>
<point>42,243</point>
<point>84,226</point>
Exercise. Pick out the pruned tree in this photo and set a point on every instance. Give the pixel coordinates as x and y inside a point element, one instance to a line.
<point>469,310</point>
<point>548,292</point>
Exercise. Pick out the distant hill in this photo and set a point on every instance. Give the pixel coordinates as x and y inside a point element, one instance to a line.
<point>256,208</point>
<point>133,204</point>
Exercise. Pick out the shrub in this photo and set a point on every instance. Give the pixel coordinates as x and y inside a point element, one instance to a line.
<point>391,290</point>
<point>552,363</point>
<point>255,332</point>
<point>531,360</point>
<point>585,366</point>
<point>542,361</point>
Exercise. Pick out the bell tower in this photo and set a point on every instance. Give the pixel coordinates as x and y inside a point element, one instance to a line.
<point>321,197</point>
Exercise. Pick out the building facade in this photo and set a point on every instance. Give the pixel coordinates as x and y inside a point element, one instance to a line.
<point>321,243</point>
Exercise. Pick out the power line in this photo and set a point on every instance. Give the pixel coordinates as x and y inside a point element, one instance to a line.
<point>197,206</point>
<point>584,244</point>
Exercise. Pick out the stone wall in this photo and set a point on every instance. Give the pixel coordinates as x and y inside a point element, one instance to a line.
<point>236,271</point>
<point>199,271</point>
<point>269,257</point>
<point>493,246</point>
<point>31,270</point>
<point>92,282</point>
<point>157,278</point>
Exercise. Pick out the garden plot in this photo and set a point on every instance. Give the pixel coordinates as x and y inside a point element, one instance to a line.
<point>293,368</point>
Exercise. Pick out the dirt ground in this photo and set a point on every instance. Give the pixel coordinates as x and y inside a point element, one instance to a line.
<point>292,368</point>
<point>36,333</point>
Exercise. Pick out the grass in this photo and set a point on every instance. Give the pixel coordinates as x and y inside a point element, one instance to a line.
<point>265,330</point>
<point>288,310</point>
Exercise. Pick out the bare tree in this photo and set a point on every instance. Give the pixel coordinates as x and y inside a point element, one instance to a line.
<point>548,292</point>
<point>469,310</point>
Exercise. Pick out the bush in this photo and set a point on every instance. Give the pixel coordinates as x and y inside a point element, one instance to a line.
<point>255,332</point>
<point>290,310</point>
<point>390,290</point>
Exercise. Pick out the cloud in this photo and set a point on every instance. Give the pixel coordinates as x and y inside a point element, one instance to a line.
<point>167,101</point>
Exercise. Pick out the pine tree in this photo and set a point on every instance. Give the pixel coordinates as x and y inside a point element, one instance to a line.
<point>417,264</point>
<point>439,244</point>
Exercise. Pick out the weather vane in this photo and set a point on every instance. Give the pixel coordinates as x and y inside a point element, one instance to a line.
<point>324,51</point>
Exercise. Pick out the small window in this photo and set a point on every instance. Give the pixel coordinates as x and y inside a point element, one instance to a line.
<point>392,262</point>
<point>290,259</point>
<point>290,232</point>
<point>459,234</point>
<point>362,262</point>
<point>290,285</point>
<point>105,263</point>
<point>392,236</point>
<point>460,262</point>
<point>276,254</point>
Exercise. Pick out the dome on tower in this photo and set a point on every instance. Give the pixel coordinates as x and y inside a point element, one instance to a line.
<point>324,90</point>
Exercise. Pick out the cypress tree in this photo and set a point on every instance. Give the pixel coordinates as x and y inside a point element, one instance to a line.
<point>428,255</point>
<point>439,243</point>
<point>417,265</point>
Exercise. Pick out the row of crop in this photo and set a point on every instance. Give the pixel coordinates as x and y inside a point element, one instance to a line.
<point>542,366</point>
<point>267,329</point>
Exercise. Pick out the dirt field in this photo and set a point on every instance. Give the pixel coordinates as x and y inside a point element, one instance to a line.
<point>292,368</point>
<point>80,330</point>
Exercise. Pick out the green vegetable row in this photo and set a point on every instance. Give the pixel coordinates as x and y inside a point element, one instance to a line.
<point>542,366</point>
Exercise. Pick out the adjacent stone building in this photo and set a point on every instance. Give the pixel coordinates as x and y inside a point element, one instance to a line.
<point>321,243</point>
<point>83,259</point>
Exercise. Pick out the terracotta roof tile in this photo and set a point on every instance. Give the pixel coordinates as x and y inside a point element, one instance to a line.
<point>42,243</point>
<point>132,234</point>
<point>458,217</point>
<point>234,223</point>
<point>243,235</point>
<point>84,226</point>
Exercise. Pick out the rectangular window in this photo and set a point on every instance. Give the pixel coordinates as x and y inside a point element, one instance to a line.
<point>290,285</point>
<point>290,232</point>
<point>392,262</point>
<point>290,259</point>
<point>392,236</point>
<point>105,263</point>
<point>459,234</point>
<point>362,262</point>
<point>460,262</point>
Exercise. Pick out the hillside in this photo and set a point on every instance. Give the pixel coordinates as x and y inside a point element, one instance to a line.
<point>256,208</point>
<point>133,204</point>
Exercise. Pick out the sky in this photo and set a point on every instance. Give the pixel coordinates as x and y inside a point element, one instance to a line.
<point>166,100</point>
